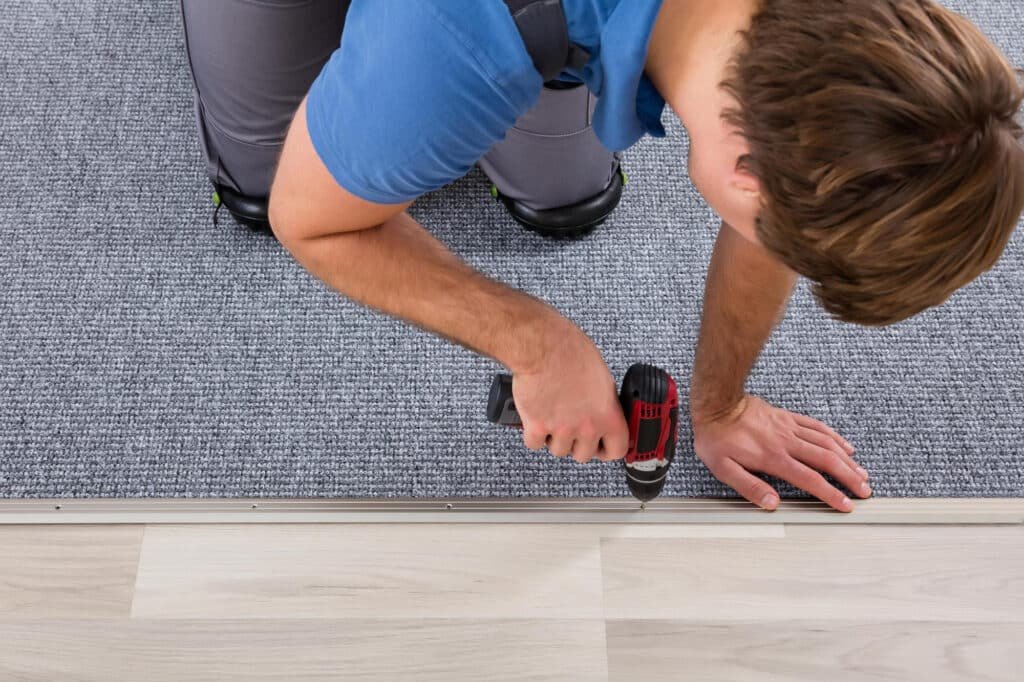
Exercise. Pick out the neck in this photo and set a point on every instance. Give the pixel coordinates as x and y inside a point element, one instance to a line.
<point>690,47</point>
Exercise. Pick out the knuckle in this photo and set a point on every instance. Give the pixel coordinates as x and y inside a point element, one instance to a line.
<point>536,426</point>
<point>829,459</point>
<point>813,437</point>
<point>613,449</point>
<point>840,462</point>
<point>814,481</point>
<point>611,418</point>
<point>559,445</point>
<point>534,437</point>
<point>803,480</point>
<point>769,459</point>
<point>837,468</point>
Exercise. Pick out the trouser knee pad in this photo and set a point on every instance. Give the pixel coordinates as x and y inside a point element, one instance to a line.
<point>250,212</point>
<point>571,221</point>
<point>551,172</point>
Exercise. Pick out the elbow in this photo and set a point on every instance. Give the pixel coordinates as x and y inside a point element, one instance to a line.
<point>284,222</point>
<point>297,219</point>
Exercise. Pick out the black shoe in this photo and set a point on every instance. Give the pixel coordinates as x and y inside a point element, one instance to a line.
<point>248,211</point>
<point>567,222</point>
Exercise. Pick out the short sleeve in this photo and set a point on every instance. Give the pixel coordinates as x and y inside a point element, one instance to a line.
<point>406,105</point>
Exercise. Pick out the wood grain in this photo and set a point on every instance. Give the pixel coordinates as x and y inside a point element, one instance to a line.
<point>427,650</point>
<point>794,651</point>
<point>512,602</point>
<point>871,573</point>
<point>377,571</point>
<point>67,572</point>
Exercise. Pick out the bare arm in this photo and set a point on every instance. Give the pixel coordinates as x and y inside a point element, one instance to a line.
<point>379,256</point>
<point>745,297</point>
<point>736,433</point>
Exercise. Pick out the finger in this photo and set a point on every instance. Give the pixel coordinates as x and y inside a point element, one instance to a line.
<point>534,437</point>
<point>812,423</point>
<point>828,461</point>
<point>613,446</point>
<point>752,488</point>
<point>812,482</point>
<point>560,444</point>
<point>584,449</point>
<point>615,436</point>
<point>821,440</point>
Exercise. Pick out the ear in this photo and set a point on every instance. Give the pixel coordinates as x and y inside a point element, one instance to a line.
<point>745,181</point>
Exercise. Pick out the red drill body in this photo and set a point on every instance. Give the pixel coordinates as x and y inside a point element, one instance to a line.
<point>650,404</point>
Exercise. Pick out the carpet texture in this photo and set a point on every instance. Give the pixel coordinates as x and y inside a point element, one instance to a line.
<point>144,352</point>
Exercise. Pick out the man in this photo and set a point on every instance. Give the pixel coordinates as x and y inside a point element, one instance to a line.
<point>869,145</point>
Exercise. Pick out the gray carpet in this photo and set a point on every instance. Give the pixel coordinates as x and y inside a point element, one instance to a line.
<point>145,353</point>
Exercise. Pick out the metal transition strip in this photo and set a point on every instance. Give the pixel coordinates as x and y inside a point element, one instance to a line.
<point>504,510</point>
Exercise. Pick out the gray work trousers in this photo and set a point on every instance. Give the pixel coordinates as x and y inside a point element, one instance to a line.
<point>252,62</point>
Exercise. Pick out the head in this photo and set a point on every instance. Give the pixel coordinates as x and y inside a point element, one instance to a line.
<point>878,153</point>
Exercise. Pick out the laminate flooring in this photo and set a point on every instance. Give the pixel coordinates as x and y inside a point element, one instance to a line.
<point>511,602</point>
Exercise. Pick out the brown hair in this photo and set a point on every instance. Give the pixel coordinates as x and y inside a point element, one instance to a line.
<point>884,138</point>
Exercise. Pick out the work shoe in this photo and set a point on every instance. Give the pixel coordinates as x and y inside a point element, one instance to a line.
<point>567,222</point>
<point>248,211</point>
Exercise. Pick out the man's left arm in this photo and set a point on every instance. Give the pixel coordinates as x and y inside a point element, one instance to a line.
<point>736,433</point>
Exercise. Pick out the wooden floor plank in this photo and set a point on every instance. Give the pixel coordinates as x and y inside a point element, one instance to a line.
<point>512,602</point>
<point>368,571</point>
<point>875,573</point>
<point>67,572</point>
<point>381,571</point>
<point>433,650</point>
<point>811,651</point>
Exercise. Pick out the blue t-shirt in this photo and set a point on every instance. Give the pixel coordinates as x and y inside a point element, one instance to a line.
<point>419,90</point>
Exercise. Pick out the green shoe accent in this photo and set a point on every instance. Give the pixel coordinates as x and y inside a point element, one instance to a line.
<point>216,199</point>
<point>625,178</point>
<point>494,191</point>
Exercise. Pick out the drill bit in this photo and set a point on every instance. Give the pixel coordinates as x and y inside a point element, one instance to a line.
<point>643,506</point>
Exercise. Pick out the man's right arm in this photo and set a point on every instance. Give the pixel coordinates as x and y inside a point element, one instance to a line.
<point>379,256</point>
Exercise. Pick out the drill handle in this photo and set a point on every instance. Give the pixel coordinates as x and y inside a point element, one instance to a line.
<point>501,409</point>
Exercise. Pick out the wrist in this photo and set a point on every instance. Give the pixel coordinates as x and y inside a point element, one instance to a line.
<point>723,411</point>
<point>534,337</point>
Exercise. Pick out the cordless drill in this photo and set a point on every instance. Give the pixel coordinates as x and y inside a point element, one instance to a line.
<point>650,403</point>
